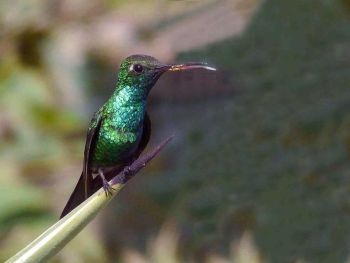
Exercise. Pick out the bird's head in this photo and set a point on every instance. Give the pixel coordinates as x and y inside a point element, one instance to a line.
<point>142,71</point>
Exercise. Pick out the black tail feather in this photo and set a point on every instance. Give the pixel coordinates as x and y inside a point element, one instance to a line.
<point>78,195</point>
<point>76,198</point>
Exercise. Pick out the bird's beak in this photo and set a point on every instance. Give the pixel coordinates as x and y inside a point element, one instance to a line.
<point>192,65</point>
<point>186,66</point>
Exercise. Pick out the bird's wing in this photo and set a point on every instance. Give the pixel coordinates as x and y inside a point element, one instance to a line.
<point>91,137</point>
<point>146,134</point>
<point>84,187</point>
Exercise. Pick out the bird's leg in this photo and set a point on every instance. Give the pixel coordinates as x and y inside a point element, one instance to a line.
<point>105,184</point>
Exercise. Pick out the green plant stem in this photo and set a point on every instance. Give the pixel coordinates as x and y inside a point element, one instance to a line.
<point>58,235</point>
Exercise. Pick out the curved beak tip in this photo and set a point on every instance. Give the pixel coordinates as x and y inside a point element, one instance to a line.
<point>188,66</point>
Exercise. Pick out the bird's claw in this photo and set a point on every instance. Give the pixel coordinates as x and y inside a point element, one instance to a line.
<point>108,189</point>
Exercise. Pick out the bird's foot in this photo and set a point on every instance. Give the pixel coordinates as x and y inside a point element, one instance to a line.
<point>105,184</point>
<point>108,188</point>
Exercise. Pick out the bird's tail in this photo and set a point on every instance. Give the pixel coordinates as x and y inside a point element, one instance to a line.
<point>78,195</point>
<point>76,198</point>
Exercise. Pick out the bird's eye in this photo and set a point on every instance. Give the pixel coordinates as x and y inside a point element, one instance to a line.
<point>136,68</point>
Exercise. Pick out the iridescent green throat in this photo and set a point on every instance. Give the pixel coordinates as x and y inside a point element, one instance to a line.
<point>127,107</point>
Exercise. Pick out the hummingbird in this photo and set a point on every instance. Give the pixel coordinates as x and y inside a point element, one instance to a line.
<point>120,130</point>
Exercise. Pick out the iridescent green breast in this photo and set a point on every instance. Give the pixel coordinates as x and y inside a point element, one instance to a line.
<point>121,129</point>
<point>114,146</point>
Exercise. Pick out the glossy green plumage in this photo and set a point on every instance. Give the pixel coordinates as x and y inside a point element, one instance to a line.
<point>121,128</point>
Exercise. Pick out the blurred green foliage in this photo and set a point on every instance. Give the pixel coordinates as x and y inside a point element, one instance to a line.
<point>274,158</point>
<point>281,148</point>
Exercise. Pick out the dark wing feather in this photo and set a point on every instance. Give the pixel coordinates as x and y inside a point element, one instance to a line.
<point>84,187</point>
<point>90,143</point>
<point>146,134</point>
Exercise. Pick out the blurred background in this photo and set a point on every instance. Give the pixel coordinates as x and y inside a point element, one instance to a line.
<point>259,168</point>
